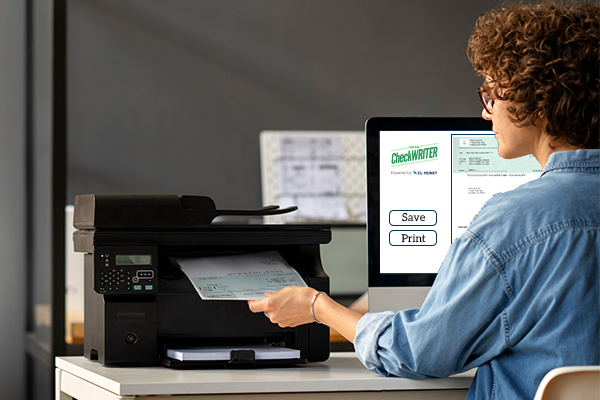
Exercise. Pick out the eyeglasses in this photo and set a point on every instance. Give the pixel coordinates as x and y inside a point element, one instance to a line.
<point>488,103</point>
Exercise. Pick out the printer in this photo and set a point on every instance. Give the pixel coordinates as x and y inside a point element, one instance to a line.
<point>139,304</point>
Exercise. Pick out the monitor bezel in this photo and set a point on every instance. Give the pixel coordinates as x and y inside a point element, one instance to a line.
<point>373,126</point>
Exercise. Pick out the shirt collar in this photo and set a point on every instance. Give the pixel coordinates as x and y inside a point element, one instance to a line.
<point>584,158</point>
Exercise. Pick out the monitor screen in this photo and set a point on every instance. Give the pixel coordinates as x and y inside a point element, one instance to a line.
<point>426,180</point>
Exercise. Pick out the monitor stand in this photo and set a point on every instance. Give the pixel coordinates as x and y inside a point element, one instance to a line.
<point>396,298</point>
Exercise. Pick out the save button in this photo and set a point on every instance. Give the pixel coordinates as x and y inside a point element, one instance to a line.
<point>413,218</point>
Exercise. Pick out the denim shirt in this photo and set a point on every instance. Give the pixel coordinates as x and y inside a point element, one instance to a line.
<point>517,294</point>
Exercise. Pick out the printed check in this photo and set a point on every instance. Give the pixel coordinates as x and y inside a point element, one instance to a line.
<point>239,277</point>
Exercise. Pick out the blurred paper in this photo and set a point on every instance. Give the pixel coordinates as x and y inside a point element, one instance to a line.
<point>319,207</point>
<point>310,147</point>
<point>239,277</point>
<point>311,176</point>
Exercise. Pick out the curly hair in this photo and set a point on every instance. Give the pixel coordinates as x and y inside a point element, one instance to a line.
<point>544,59</point>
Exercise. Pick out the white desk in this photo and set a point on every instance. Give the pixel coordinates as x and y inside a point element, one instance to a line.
<point>341,377</point>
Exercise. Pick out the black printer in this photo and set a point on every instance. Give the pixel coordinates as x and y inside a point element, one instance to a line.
<point>139,304</point>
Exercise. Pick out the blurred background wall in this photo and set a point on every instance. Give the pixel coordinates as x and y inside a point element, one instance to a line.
<point>170,96</point>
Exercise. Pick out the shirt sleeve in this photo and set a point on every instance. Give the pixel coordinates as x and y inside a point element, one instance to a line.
<point>461,325</point>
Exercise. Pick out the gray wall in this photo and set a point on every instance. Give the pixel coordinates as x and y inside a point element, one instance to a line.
<point>170,96</point>
<point>12,201</point>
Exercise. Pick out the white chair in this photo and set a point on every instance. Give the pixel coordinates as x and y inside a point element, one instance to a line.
<point>570,383</point>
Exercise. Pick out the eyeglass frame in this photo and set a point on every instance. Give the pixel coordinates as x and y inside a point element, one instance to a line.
<point>481,91</point>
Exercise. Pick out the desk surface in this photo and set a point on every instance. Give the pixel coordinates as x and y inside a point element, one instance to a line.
<point>342,372</point>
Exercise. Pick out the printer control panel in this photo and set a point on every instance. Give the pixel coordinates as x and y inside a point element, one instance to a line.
<point>125,271</point>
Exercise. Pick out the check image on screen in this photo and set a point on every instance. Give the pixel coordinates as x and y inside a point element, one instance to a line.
<point>432,184</point>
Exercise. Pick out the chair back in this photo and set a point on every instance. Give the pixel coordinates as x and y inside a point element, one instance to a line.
<point>570,383</point>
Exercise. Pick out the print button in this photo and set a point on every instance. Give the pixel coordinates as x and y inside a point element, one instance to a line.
<point>413,238</point>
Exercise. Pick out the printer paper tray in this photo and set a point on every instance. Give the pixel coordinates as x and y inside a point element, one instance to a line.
<point>232,356</point>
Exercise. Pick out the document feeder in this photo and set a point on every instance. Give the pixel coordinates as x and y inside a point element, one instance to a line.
<point>139,304</point>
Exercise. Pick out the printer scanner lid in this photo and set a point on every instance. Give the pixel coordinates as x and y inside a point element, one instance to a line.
<point>154,212</point>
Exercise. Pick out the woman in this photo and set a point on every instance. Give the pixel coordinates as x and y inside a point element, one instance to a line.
<point>518,294</point>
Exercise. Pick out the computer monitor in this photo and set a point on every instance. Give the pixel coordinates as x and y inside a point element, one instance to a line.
<point>426,180</point>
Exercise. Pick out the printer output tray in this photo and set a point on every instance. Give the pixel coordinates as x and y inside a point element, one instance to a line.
<point>251,357</point>
<point>232,364</point>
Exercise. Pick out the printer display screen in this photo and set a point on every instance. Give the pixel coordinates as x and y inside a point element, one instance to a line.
<point>128,259</point>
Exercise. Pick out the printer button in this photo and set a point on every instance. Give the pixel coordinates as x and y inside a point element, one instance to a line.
<point>149,287</point>
<point>137,287</point>
<point>131,338</point>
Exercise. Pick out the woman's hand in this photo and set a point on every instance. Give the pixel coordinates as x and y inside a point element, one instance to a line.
<point>288,307</point>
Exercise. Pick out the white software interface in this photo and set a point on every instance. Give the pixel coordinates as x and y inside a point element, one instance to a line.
<point>432,184</point>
